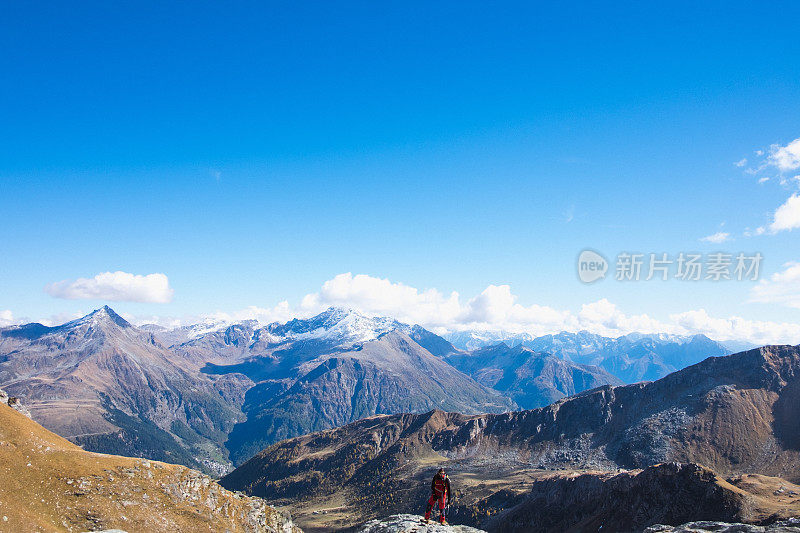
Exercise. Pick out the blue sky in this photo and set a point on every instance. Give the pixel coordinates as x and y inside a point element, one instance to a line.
<point>252,152</point>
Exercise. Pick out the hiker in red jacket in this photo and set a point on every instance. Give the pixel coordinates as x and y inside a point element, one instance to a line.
<point>440,491</point>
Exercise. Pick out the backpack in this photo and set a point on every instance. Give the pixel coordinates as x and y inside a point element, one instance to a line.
<point>440,485</point>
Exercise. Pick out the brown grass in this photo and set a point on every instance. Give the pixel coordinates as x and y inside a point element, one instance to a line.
<point>49,484</point>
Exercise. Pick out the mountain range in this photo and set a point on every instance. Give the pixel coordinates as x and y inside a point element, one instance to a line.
<point>114,388</point>
<point>624,456</point>
<point>532,379</point>
<point>631,358</point>
<point>212,394</point>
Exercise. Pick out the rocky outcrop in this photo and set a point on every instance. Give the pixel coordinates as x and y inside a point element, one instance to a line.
<point>406,523</point>
<point>784,526</point>
<point>14,402</point>
<point>670,493</point>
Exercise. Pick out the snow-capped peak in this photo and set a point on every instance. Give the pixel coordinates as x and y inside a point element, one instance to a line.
<point>104,315</point>
<point>213,325</point>
<point>337,324</point>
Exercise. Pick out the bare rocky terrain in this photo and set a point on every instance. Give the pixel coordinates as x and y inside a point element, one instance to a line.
<point>784,526</point>
<point>406,523</point>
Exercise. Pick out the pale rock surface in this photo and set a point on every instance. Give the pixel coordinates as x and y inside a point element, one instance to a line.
<point>408,523</point>
<point>786,526</point>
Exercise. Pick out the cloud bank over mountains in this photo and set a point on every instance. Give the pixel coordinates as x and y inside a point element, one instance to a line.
<point>497,308</point>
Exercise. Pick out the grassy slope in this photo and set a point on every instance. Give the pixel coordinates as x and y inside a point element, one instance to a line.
<point>50,484</point>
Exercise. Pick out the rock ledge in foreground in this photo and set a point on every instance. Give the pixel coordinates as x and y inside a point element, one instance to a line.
<point>786,526</point>
<point>408,523</point>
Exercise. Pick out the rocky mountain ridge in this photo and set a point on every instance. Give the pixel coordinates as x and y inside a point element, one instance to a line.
<point>631,358</point>
<point>115,388</point>
<point>735,415</point>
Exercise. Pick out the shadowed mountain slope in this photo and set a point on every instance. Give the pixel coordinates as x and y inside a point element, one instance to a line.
<point>531,379</point>
<point>388,375</point>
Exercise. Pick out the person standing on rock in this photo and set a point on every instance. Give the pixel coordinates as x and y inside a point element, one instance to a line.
<point>440,491</point>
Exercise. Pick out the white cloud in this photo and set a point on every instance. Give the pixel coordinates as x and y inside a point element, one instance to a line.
<point>381,296</point>
<point>787,216</point>
<point>59,318</point>
<point>604,318</point>
<point>737,328</point>
<point>494,306</point>
<point>781,288</point>
<point>6,318</point>
<point>169,322</point>
<point>497,307</point>
<point>279,313</point>
<point>785,158</point>
<point>114,286</point>
<point>717,238</point>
